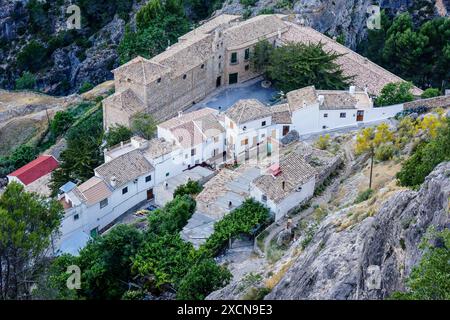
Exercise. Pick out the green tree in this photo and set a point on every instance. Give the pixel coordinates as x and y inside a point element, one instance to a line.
<point>260,57</point>
<point>144,125</point>
<point>117,134</point>
<point>61,122</point>
<point>83,153</point>
<point>26,81</point>
<point>85,87</point>
<point>204,277</point>
<point>190,188</point>
<point>158,24</point>
<point>171,218</point>
<point>425,158</point>
<point>395,93</point>
<point>430,93</point>
<point>297,65</point>
<point>27,222</point>
<point>22,155</point>
<point>430,279</point>
<point>32,56</point>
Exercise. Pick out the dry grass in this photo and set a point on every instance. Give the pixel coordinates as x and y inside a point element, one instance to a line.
<point>276,278</point>
<point>24,98</point>
<point>99,90</point>
<point>19,131</point>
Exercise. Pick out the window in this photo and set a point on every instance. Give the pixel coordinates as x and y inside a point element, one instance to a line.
<point>159,80</point>
<point>233,59</point>
<point>264,198</point>
<point>103,203</point>
<point>263,124</point>
<point>203,66</point>
<point>192,152</point>
<point>233,78</point>
<point>343,115</point>
<point>167,174</point>
<point>324,127</point>
<point>247,54</point>
<point>76,217</point>
<point>184,76</point>
<point>124,190</point>
<point>325,115</point>
<point>219,65</point>
<point>247,67</point>
<point>148,178</point>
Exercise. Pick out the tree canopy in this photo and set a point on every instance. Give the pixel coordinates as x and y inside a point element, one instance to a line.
<point>27,222</point>
<point>297,65</point>
<point>395,93</point>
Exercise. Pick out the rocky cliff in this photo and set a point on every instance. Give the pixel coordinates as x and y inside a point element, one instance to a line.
<point>345,18</point>
<point>371,259</point>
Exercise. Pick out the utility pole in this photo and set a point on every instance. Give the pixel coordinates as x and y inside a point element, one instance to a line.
<point>371,166</point>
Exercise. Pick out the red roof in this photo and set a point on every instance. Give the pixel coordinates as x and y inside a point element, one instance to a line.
<point>35,169</point>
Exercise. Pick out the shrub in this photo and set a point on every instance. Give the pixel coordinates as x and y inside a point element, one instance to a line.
<point>430,93</point>
<point>61,122</point>
<point>395,93</point>
<point>85,87</point>
<point>190,188</point>
<point>323,142</point>
<point>117,134</point>
<point>26,81</point>
<point>248,3</point>
<point>31,57</point>
<point>364,195</point>
<point>384,152</point>
<point>244,219</point>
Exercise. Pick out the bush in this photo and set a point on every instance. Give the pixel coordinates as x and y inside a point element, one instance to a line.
<point>384,152</point>
<point>430,93</point>
<point>204,277</point>
<point>248,3</point>
<point>61,122</point>
<point>85,87</point>
<point>364,196</point>
<point>190,188</point>
<point>32,56</point>
<point>425,158</point>
<point>395,93</point>
<point>323,142</point>
<point>117,134</point>
<point>242,220</point>
<point>26,81</point>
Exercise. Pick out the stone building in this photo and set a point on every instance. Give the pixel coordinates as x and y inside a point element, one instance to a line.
<point>214,55</point>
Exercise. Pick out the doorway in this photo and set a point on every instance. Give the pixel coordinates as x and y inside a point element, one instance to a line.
<point>285,130</point>
<point>150,194</point>
<point>218,81</point>
<point>360,115</point>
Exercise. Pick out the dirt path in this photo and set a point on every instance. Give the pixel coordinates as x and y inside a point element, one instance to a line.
<point>324,198</point>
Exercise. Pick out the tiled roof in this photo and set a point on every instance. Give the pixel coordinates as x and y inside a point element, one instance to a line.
<point>247,110</point>
<point>211,24</point>
<point>158,147</point>
<point>281,114</point>
<point>295,172</point>
<point>126,100</point>
<point>93,190</point>
<point>124,168</point>
<point>298,98</point>
<point>436,102</point>
<point>35,169</point>
<point>253,30</point>
<point>186,117</point>
<point>141,70</point>
<point>367,74</point>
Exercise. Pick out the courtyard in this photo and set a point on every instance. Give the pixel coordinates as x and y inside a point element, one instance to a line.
<point>223,99</point>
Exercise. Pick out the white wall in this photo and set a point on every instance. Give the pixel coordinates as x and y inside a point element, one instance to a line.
<point>290,202</point>
<point>334,120</point>
<point>306,120</point>
<point>91,217</point>
<point>382,113</point>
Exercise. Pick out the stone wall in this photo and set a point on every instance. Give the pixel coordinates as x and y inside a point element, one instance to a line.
<point>441,101</point>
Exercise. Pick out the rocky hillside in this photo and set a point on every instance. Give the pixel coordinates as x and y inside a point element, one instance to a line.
<point>339,18</point>
<point>340,262</point>
<point>34,38</point>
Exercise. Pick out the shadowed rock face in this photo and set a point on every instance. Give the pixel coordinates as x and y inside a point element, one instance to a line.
<point>342,17</point>
<point>386,244</point>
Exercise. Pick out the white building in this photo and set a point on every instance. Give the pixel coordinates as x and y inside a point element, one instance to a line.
<point>317,110</point>
<point>285,185</point>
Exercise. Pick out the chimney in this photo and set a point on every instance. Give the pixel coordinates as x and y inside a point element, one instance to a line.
<point>321,99</point>
<point>113,181</point>
<point>352,90</point>
<point>180,113</point>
